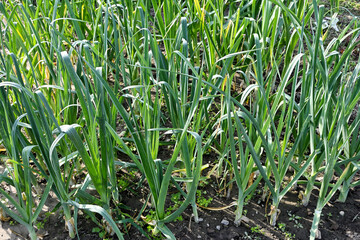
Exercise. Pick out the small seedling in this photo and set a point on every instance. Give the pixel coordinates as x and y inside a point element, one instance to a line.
<point>294,218</point>
<point>123,184</point>
<point>100,231</point>
<point>255,229</point>
<point>202,201</point>
<point>289,236</point>
<point>175,198</point>
<point>298,225</point>
<point>203,183</point>
<point>40,225</point>
<point>282,227</point>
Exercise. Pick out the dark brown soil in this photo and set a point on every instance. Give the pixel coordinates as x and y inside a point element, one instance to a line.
<point>332,226</point>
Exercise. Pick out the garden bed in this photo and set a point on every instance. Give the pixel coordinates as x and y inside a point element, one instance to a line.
<point>180,119</point>
<point>339,221</point>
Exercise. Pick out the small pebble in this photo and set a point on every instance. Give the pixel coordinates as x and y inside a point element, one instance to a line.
<point>198,236</point>
<point>342,213</point>
<point>218,227</point>
<point>225,222</point>
<point>200,219</point>
<point>208,225</point>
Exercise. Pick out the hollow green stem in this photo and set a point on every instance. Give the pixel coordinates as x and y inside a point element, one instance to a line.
<point>69,221</point>
<point>239,211</point>
<point>314,232</point>
<point>274,211</point>
<point>32,233</point>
